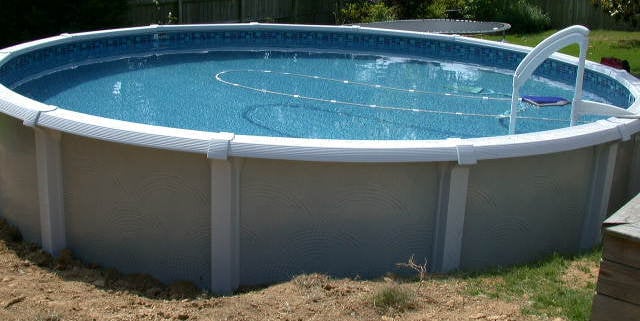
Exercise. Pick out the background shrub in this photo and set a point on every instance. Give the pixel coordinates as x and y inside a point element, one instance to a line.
<point>24,20</point>
<point>526,17</point>
<point>437,9</point>
<point>366,11</point>
<point>625,10</point>
<point>523,15</point>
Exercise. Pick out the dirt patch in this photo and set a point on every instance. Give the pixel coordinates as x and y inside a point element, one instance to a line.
<point>35,286</point>
<point>581,274</point>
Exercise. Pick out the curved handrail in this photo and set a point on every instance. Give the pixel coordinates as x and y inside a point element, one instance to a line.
<point>555,42</point>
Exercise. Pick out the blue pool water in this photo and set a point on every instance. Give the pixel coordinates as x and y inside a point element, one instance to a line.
<point>296,94</point>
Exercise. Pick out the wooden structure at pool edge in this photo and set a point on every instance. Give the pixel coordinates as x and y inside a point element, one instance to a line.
<point>618,290</point>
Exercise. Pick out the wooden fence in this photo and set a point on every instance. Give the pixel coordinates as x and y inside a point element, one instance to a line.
<point>565,13</point>
<point>144,12</point>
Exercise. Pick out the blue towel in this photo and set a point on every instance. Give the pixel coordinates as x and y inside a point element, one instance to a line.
<point>545,101</point>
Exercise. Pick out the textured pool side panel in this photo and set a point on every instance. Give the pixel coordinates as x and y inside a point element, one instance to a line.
<point>525,208</point>
<point>139,210</point>
<point>341,219</point>
<point>18,180</point>
<point>621,191</point>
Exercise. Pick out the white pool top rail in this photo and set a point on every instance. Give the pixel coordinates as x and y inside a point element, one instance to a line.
<point>225,145</point>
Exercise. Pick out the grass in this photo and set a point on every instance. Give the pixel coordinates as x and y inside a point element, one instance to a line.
<point>602,43</point>
<point>543,287</point>
<point>393,298</point>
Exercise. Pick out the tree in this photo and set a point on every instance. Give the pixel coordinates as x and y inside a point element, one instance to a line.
<point>626,10</point>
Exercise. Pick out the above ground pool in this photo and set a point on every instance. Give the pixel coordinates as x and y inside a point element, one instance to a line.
<point>245,154</point>
<point>303,94</point>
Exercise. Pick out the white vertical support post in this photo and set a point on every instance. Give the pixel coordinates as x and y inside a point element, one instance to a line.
<point>225,225</point>
<point>440,217</point>
<point>598,201</point>
<point>50,190</point>
<point>447,245</point>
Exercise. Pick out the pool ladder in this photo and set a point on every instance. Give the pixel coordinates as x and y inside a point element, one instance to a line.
<point>555,42</point>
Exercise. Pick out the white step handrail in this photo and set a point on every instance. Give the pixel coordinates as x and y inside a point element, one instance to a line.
<point>555,42</point>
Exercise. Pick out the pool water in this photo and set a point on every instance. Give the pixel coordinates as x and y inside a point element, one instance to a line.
<point>303,94</point>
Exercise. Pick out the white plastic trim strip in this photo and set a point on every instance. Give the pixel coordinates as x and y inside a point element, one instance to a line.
<point>50,190</point>
<point>219,147</point>
<point>623,128</point>
<point>450,216</point>
<point>466,155</point>
<point>456,212</point>
<point>128,133</point>
<point>224,145</point>
<point>31,120</point>
<point>19,106</point>
<point>3,56</point>
<point>225,225</point>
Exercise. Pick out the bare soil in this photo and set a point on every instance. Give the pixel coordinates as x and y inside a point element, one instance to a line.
<point>581,274</point>
<point>35,286</point>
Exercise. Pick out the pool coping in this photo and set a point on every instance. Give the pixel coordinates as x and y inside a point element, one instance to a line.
<point>220,145</point>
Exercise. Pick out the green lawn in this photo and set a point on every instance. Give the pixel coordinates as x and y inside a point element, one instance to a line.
<point>602,43</point>
<point>558,286</point>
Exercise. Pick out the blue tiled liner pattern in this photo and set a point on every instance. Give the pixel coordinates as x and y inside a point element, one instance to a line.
<point>40,60</point>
